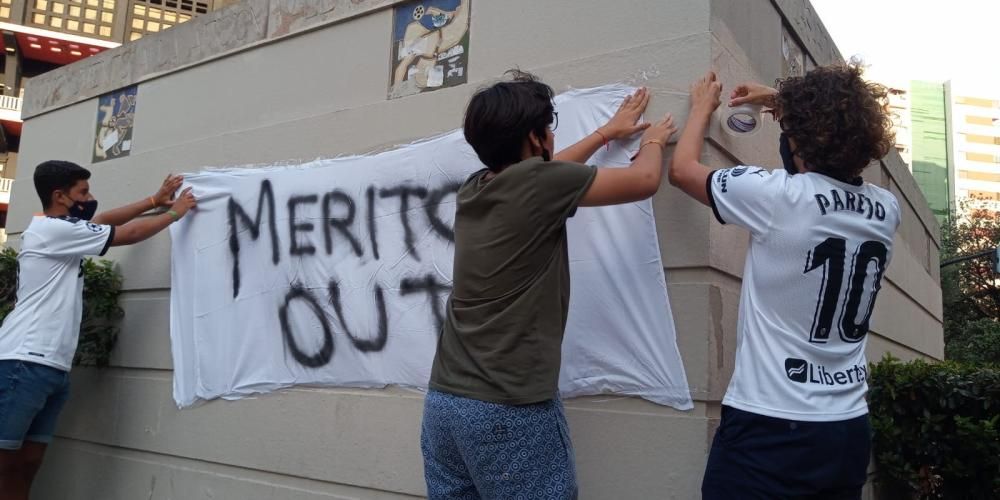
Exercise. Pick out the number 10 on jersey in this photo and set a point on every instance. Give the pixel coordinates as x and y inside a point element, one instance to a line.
<point>831,255</point>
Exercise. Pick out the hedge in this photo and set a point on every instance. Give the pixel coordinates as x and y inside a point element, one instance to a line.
<point>936,429</point>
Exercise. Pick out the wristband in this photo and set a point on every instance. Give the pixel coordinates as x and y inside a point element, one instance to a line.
<point>153,201</point>
<point>604,138</point>
<point>173,214</point>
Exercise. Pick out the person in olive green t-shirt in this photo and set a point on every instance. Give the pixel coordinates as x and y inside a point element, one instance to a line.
<point>493,424</point>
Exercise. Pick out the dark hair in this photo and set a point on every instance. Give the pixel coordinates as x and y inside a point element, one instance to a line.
<point>57,175</point>
<point>839,122</point>
<point>500,117</point>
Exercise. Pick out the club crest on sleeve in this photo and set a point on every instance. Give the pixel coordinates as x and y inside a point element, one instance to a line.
<point>94,227</point>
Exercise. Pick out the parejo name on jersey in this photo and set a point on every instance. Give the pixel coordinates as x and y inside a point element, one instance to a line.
<point>840,200</point>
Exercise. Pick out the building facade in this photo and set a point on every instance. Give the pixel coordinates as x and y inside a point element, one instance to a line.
<point>949,135</point>
<point>975,143</point>
<point>38,36</point>
<point>929,153</point>
<point>329,79</point>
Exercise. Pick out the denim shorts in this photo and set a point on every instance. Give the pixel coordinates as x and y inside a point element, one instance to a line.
<point>31,398</point>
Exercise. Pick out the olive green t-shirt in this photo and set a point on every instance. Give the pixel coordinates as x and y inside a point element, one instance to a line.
<point>503,331</point>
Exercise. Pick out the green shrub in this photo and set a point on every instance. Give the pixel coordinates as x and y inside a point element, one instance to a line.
<point>102,286</point>
<point>936,429</point>
<point>8,281</point>
<point>975,341</point>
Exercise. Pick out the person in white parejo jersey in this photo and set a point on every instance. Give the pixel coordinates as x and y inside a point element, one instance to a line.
<point>38,338</point>
<point>794,419</point>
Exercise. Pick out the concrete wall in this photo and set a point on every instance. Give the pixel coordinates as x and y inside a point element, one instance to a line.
<point>268,81</point>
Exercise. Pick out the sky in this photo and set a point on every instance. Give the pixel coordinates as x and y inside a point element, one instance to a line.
<point>919,39</point>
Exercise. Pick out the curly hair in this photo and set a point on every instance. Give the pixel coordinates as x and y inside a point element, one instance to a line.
<point>839,122</point>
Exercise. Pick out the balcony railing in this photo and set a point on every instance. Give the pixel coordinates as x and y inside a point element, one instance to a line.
<point>10,103</point>
<point>6,185</point>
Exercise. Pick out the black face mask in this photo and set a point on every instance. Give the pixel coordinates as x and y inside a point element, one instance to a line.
<point>787,155</point>
<point>83,210</point>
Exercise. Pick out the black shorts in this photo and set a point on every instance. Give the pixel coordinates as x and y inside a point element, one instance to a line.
<point>758,457</point>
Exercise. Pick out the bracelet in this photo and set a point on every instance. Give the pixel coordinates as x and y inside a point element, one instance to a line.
<point>173,214</point>
<point>604,138</point>
<point>153,201</point>
<point>652,141</point>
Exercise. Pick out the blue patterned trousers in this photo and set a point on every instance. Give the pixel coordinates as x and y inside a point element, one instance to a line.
<point>480,450</point>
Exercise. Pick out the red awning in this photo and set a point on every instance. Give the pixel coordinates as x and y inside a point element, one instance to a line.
<point>11,128</point>
<point>53,50</point>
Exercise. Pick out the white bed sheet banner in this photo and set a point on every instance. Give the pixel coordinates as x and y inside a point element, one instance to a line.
<point>336,272</point>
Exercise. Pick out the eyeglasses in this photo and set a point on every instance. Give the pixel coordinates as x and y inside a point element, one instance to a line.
<point>555,121</point>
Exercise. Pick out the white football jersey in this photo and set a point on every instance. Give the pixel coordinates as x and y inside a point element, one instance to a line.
<point>44,326</point>
<point>818,251</point>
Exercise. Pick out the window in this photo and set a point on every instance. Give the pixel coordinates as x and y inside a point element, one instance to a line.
<point>983,157</point>
<point>979,176</point>
<point>979,120</point>
<point>978,101</point>
<point>984,195</point>
<point>151,16</point>
<point>982,139</point>
<point>89,17</point>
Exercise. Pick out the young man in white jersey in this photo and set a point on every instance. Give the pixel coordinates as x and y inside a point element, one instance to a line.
<point>794,419</point>
<point>38,338</point>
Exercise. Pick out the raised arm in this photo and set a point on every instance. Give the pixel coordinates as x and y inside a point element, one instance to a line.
<point>622,125</point>
<point>755,93</point>
<point>139,230</point>
<point>686,170</point>
<point>641,179</point>
<point>122,215</point>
